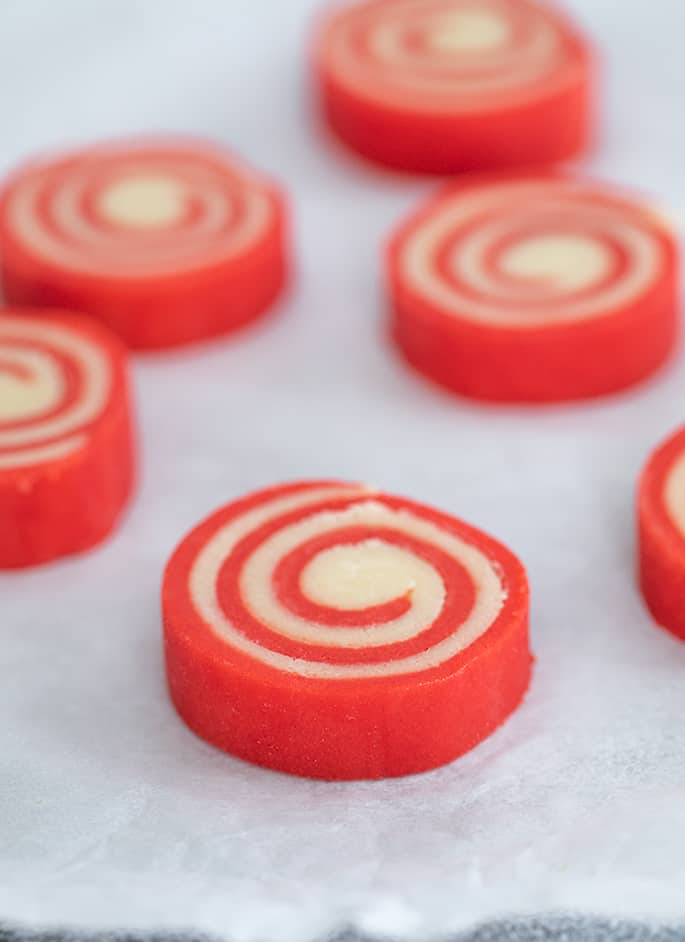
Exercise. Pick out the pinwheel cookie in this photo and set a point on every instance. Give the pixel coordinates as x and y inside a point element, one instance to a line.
<point>661,529</point>
<point>66,453</point>
<point>451,85</point>
<point>328,630</point>
<point>166,243</point>
<point>534,288</point>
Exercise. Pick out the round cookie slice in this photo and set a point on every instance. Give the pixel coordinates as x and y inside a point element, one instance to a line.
<point>328,630</point>
<point>66,451</point>
<point>661,534</point>
<point>165,242</point>
<point>443,86</point>
<point>534,288</point>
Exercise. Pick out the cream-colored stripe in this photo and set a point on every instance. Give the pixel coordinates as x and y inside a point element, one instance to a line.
<point>674,493</point>
<point>512,206</point>
<point>490,593</point>
<point>95,375</point>
<point>37,387</point>
<point>79,245</point>
<point>393,71</point>
<point>427,599</point>
<point>40,454</point>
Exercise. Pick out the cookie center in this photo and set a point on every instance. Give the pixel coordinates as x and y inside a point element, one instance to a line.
<point>571,261</point>
<point>470,31</point>
<point>145,201</point>
<point>359,575</point>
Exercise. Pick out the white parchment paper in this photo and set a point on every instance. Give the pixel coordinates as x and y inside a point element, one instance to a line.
<point>111,812</point>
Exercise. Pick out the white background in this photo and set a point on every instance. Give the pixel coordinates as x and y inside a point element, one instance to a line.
<point>111,812</point>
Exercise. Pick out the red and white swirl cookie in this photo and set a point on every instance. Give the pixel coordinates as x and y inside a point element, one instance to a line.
<point>66,452</point>
<point>327,630</point>
<point>443,86</point>
<point>661,531</point>
<point>167,243</point>
<point>534,288</point>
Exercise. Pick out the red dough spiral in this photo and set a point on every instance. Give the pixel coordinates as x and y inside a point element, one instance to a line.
<point>530,288</point>
<point>443,86</point>
<point>661,530</point>
<point>66,455</point>
<point>327,630</point>
<point>166,243</point>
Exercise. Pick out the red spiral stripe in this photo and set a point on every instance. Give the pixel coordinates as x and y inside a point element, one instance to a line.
<point>449,85</point>
<point>534,288</point>
<point>383,636</point>
<point>166,242</point>
<point>65,443</point>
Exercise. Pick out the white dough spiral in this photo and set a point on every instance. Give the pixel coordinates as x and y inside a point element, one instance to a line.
<point>448,54</point>
<point>335,581</point>
<point>530,251</point>
<point>137,212</point>
<point>54,382</point>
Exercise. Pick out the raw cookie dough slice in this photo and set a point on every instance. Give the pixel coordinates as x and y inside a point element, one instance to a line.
<point>165,242</point>
<point>328,630</point>
<point>534,288</point>
<point>66,452</point>
<point>444,86</point>
<point>661,530</point>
